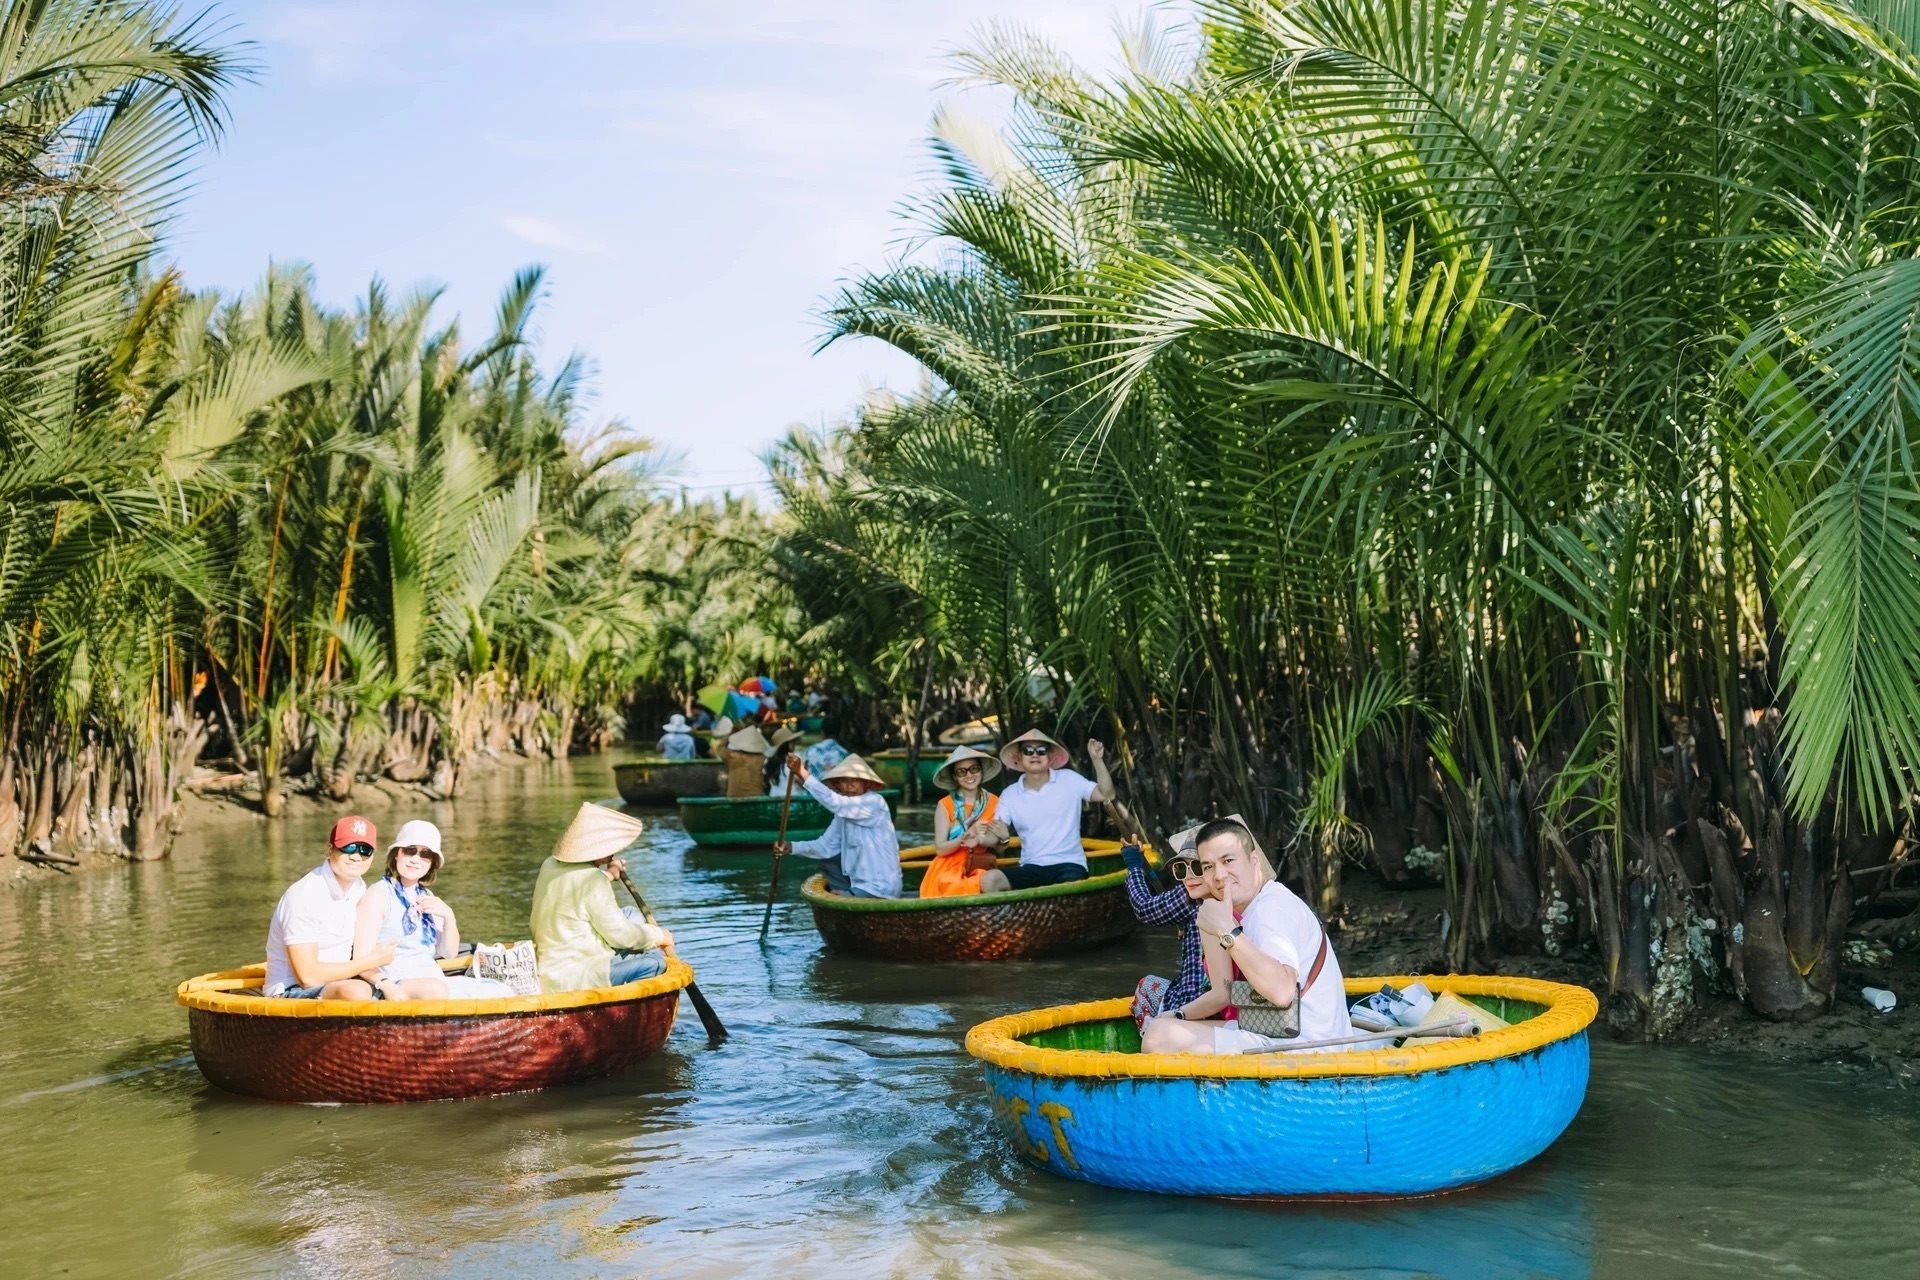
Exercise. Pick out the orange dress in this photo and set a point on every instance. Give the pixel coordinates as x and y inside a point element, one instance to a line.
<point>948,876</point>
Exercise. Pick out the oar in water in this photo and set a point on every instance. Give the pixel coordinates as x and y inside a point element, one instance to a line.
<point>773,885</point>
<point>716,1033</point>
<point>1454,1027</point>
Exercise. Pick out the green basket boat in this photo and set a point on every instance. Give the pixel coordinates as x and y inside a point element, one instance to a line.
<point>716,822</point>
<point>658,781</point>
<point>891,765</point>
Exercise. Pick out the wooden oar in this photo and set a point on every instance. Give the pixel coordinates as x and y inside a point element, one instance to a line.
<point>716,1033</point>
<point>773,884</point>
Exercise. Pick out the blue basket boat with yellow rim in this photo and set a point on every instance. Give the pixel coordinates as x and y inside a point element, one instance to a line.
<point>1072,1093</point>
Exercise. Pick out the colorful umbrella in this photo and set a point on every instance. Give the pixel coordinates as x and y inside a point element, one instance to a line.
<point>713,697</point>
<point>742,706</point>
<point>759,684</point>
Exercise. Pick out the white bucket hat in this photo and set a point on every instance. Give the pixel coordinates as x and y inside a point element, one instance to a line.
<point>417,832</point>
<point>676,723</point>
<point>596,832</point>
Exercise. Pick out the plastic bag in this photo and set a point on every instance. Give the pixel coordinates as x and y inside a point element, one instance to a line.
<point>512,963</point>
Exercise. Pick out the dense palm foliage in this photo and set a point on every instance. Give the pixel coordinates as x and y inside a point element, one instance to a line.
<point>1439,426</point>
<point>321,545</point>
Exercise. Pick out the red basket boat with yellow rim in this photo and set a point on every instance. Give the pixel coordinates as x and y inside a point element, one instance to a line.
<point>420,1050</point>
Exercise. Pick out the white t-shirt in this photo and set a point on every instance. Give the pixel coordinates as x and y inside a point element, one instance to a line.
<point>1284,927</point>
<point>1048,820</point>
<point>313,909</point>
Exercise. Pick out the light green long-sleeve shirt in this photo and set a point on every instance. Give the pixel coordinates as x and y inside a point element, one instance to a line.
<point>577,926</point>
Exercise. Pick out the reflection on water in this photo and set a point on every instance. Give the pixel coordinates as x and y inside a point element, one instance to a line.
<point>842,1131</point>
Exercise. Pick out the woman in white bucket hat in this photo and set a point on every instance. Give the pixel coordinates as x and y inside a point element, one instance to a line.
<point>420,924</point>
<point>581,936</point>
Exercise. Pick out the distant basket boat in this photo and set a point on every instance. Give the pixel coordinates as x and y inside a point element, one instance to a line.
<point>1073,1094</point>
<point>656,781</point>
<point>974,733</point>
<point>419,1050</point>
<point>716,822</point>
<point>996,926</point>
<point>891,765</point>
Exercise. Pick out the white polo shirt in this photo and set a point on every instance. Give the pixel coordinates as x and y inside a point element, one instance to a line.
<point>313,909</point>
<point>1047,819</point>
<point>1283,926</point>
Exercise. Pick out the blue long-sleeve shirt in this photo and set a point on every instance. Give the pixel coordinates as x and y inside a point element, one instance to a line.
<point>1172,906</point>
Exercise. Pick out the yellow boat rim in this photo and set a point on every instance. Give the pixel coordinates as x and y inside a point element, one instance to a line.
<point>221,993</point>
<point>1568,1012</point>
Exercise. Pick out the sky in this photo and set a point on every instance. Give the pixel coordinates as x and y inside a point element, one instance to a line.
<point>697,177</point>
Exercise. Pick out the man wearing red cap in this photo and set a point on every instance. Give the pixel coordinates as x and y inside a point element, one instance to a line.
<point>310,940</point>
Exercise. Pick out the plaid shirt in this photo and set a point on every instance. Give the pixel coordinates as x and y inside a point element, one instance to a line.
<point>1172,906</point>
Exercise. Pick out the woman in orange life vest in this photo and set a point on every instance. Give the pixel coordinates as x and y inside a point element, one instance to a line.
<point>963,845</point>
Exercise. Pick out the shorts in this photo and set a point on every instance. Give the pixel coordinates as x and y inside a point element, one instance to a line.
<point>1229,1038</point>
<point>299,993</point>
<point>1025,876</point>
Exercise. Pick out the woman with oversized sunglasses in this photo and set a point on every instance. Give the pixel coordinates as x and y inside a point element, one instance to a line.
<point>1177,905</point>
<point>963,838</point>
<point>401,914</point>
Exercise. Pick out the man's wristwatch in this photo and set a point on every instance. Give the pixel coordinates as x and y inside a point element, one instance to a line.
<point>1230,937</point>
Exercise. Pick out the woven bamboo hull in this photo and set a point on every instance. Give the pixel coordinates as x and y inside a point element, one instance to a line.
<point>661,782</point>
<point>892,768</point>
<point>1000,926</point>
<point>716,822</point>
<point>319,1051</point>
<point>1380,1123</point>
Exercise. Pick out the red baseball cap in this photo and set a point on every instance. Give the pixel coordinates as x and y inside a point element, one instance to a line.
<point>353,829</point>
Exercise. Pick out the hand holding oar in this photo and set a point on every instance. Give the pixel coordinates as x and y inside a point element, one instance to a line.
<point>779,846</point>
<point>716,1033</point>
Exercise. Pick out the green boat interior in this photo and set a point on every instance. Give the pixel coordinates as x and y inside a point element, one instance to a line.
<point>1118,1035</point>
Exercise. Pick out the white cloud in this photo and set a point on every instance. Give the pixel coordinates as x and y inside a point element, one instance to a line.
<point>551,235</point>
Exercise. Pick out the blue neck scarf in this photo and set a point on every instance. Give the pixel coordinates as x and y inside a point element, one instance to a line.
<point>411,916</point>
<point>962,815</point>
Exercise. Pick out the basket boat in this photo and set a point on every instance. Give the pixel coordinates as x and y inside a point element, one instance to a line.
<point>891,765</point>
<point>419,1050</point>
<point>974,733</point>
<point>996,926</point>
<point>661,782</point>
<point>716,822</point>
<point>1072,1093</point>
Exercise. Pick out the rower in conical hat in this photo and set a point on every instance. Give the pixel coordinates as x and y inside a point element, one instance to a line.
<point>859,853</point>
<point>582,937</point>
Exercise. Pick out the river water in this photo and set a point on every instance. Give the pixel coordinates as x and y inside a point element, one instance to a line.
<point>841,1132</point>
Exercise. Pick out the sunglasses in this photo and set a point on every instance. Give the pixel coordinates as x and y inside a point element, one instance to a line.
<point>355,850</point>
<point>1185,868</point>
<point>1036,749</point>
<point>415,851</point>
<point>961,770</point>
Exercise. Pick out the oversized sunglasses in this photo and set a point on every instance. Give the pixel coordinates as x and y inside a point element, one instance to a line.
<point>415,851</point>
<point>1185,868</point>
<point>966,768</point>
<point>1036,749</point>
<point>355,850</point>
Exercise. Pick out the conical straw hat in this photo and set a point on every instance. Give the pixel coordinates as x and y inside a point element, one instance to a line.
<point>989,768</point>
<point>748,739</point>
<point>785,733</point>
<point>856,768</point>
<point>596,832</point>
<point>1010,754</point>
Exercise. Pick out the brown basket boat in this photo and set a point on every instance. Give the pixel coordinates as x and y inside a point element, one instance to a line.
<point>661,782</point>
<point>996,926</point>
<point>419,1050</point>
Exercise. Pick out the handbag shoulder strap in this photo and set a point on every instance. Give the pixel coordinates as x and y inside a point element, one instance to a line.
<point>1319,963</point>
